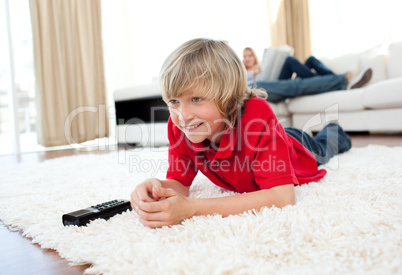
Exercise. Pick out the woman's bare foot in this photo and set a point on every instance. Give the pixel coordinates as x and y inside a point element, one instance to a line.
<point>348,76</point>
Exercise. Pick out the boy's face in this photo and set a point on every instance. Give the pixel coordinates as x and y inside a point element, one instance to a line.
<point>198,117</point>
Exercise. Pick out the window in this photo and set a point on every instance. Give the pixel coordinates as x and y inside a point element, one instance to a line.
<point>16,79</point>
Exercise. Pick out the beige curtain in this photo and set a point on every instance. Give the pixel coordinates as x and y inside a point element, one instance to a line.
<point>290,25</point>
<point>70,86</point>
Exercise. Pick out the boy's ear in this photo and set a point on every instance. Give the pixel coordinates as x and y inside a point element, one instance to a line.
<point>231,104</point>
<point>228,109</point>
<point>234,104</point>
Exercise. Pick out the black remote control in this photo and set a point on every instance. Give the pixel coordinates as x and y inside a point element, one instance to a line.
<point>104,210</point>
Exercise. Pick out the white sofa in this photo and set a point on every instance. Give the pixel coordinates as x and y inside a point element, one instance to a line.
<point>376,107</point>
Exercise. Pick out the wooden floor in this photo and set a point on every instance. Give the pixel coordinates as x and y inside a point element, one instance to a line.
<point>19,256</point>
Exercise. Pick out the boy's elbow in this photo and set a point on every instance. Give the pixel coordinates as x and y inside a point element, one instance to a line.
<point>290,198</point>
<point>291,201</point>
<point>286,200</point>
<point>285,195</point>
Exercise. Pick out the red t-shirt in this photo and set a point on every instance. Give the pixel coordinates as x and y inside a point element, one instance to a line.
<point>255,154</point>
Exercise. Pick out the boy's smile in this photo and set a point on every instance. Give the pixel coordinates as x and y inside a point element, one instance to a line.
<point>192,128</point>
<point>198,117</point>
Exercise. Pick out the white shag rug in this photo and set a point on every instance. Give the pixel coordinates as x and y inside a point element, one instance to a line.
<point>348,222</point>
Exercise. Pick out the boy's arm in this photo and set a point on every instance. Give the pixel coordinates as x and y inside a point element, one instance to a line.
<point>175,207</point>
<point>279,196</point>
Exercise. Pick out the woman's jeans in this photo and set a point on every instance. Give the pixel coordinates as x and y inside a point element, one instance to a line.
<point>330,141</point>
<point>292,65</point>
<point>282,89</point>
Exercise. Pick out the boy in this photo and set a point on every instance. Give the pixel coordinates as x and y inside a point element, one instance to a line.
<point>219,126</point>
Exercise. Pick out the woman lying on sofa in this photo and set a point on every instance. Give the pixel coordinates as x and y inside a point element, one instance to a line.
<point>313,77</point>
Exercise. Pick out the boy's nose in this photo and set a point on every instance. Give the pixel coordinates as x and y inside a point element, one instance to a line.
<point>186,114</point>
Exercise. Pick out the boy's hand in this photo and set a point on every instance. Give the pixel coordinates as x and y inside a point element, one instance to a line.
<point>143,192</point>
<point>172,209</point>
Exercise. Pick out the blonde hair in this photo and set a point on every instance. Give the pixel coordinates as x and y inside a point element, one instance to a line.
<point>212,67</point>
<point>256,62</point>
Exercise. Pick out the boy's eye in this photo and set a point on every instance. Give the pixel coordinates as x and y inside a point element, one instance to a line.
<point>172,101</point>
<point>197,99</point>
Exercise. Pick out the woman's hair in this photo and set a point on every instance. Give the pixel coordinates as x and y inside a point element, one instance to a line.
<point>253,53</point>
<point>211,67</point>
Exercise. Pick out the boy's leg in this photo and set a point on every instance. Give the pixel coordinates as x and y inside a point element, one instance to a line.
<point>318,66</point>
<point>330,141</point>
<point>306,140</point>
<point>292,65</point>
<point>335,141</point>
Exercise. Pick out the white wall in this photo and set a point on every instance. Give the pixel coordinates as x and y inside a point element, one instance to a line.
<point>345,26</point>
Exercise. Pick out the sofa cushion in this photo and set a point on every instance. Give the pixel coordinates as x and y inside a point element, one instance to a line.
<point>395,60</point>
<point>384,94</point>
<point>367,120</point>
<point>279,109</point>
<point>347,100</point>
<point>378,64</point>
<point>343,64</point>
